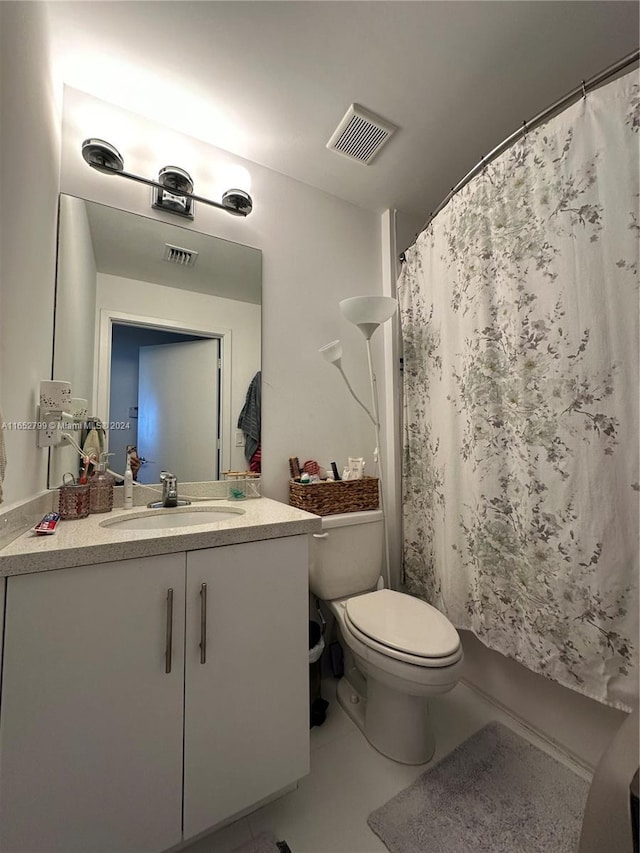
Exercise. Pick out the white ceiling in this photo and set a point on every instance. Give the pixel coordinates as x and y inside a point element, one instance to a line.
<point>270,80</point>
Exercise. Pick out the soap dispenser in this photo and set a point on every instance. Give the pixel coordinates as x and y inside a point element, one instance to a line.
<point>101,487</point>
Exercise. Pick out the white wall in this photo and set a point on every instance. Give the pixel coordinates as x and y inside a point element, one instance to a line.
<point>29,184</point>
<point>74,319</point>
<point>76,301</point>
<point>581,725</point>
<point>407,229</point>
<point>317,249</point>
<point>397,232</point>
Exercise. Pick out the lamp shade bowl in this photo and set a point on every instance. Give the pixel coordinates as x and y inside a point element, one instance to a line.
<point>368,312</point>
<point>332,352</point>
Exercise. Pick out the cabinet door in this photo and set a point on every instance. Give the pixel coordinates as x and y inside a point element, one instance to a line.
<point>247,697</point>
<point>91,724</point>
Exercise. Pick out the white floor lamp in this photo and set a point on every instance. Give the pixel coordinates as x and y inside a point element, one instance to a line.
<point>367,313</point>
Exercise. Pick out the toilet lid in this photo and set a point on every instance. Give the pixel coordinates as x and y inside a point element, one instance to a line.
<point>403,622</point>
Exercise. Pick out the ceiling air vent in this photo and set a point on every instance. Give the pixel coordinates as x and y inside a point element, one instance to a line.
<point>176,255</point>
<point>360,134</point>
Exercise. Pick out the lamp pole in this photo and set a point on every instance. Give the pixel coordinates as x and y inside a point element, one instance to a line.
<point>378,459</point>
<point>368,313</point>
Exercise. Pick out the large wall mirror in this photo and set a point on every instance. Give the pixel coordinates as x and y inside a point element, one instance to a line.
<point>158,328</point>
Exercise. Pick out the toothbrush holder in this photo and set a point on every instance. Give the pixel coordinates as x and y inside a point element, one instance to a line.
<point>73,499</point>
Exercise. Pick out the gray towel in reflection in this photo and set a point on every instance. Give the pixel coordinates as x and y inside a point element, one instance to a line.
<point>249,420</point>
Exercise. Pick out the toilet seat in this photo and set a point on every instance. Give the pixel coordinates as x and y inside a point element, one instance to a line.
<point>403,627</point>
<point>394,654</point>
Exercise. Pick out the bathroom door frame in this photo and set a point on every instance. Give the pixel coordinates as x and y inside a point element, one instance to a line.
<point>102,371</point>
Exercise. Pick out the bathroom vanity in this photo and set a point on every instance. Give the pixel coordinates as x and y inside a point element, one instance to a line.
<point>154,683</point>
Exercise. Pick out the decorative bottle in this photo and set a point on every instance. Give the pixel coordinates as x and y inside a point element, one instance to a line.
<point>101,487</point>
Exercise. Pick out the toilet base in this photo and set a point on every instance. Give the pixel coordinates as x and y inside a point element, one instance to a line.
<point>394,723</point>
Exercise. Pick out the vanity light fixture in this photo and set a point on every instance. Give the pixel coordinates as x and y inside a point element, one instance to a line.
<point>173,191</point>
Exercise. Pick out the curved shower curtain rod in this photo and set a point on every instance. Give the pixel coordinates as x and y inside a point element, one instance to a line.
<point>574,94</point>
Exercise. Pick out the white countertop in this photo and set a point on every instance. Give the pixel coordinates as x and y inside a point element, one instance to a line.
<point>84,542</point>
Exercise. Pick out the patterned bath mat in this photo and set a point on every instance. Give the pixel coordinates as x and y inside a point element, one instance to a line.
<point>266,842</point>
<point>495,793</point>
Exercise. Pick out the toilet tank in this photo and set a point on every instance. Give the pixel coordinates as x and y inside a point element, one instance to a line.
<point>347,557</point>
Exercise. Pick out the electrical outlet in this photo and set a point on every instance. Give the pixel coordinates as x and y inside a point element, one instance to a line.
<point>48,435</point>
<point>239,438</point>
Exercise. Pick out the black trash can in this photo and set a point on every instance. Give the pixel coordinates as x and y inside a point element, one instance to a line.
<point>317,705</point>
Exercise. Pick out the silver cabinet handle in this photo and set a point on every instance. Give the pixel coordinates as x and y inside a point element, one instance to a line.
<point>320,535</point>
<point>203,623</point>
<point>169,632</point>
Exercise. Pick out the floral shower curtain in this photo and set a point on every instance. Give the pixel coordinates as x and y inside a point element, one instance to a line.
<point>519,313</point>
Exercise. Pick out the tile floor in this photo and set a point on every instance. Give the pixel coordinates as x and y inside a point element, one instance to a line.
<point>349,779</point>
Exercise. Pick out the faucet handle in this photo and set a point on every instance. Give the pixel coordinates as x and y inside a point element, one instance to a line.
<point>168,479</point>
<point>169,482</point>
<point>169,488</point>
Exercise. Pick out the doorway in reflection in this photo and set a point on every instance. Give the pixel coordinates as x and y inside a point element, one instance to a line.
<point>165,400</point>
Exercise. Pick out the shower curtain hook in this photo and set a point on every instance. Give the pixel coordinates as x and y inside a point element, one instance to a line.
<point>524,128</point>
<point>584,89</point>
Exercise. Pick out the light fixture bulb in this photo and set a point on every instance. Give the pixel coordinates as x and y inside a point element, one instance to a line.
<point>102,156</point>
<point>237,202</point>
<point>174,182</point>
<point>368,312</point>
<point>175,179</point>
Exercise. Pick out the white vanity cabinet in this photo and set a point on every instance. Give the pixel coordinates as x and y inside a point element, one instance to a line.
<point>102,750</point>
<point>247,691</point>
<point>90,721</point>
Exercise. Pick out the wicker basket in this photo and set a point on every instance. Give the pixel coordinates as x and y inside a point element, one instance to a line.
<point>331,498</point>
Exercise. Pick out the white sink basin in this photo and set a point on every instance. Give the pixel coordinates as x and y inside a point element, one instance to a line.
<point>161,519</point>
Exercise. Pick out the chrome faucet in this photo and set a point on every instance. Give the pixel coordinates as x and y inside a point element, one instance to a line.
<point>169,492</point>
<point>169,488</point>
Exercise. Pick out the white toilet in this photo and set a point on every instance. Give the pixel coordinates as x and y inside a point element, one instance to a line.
<point>399,650</point>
